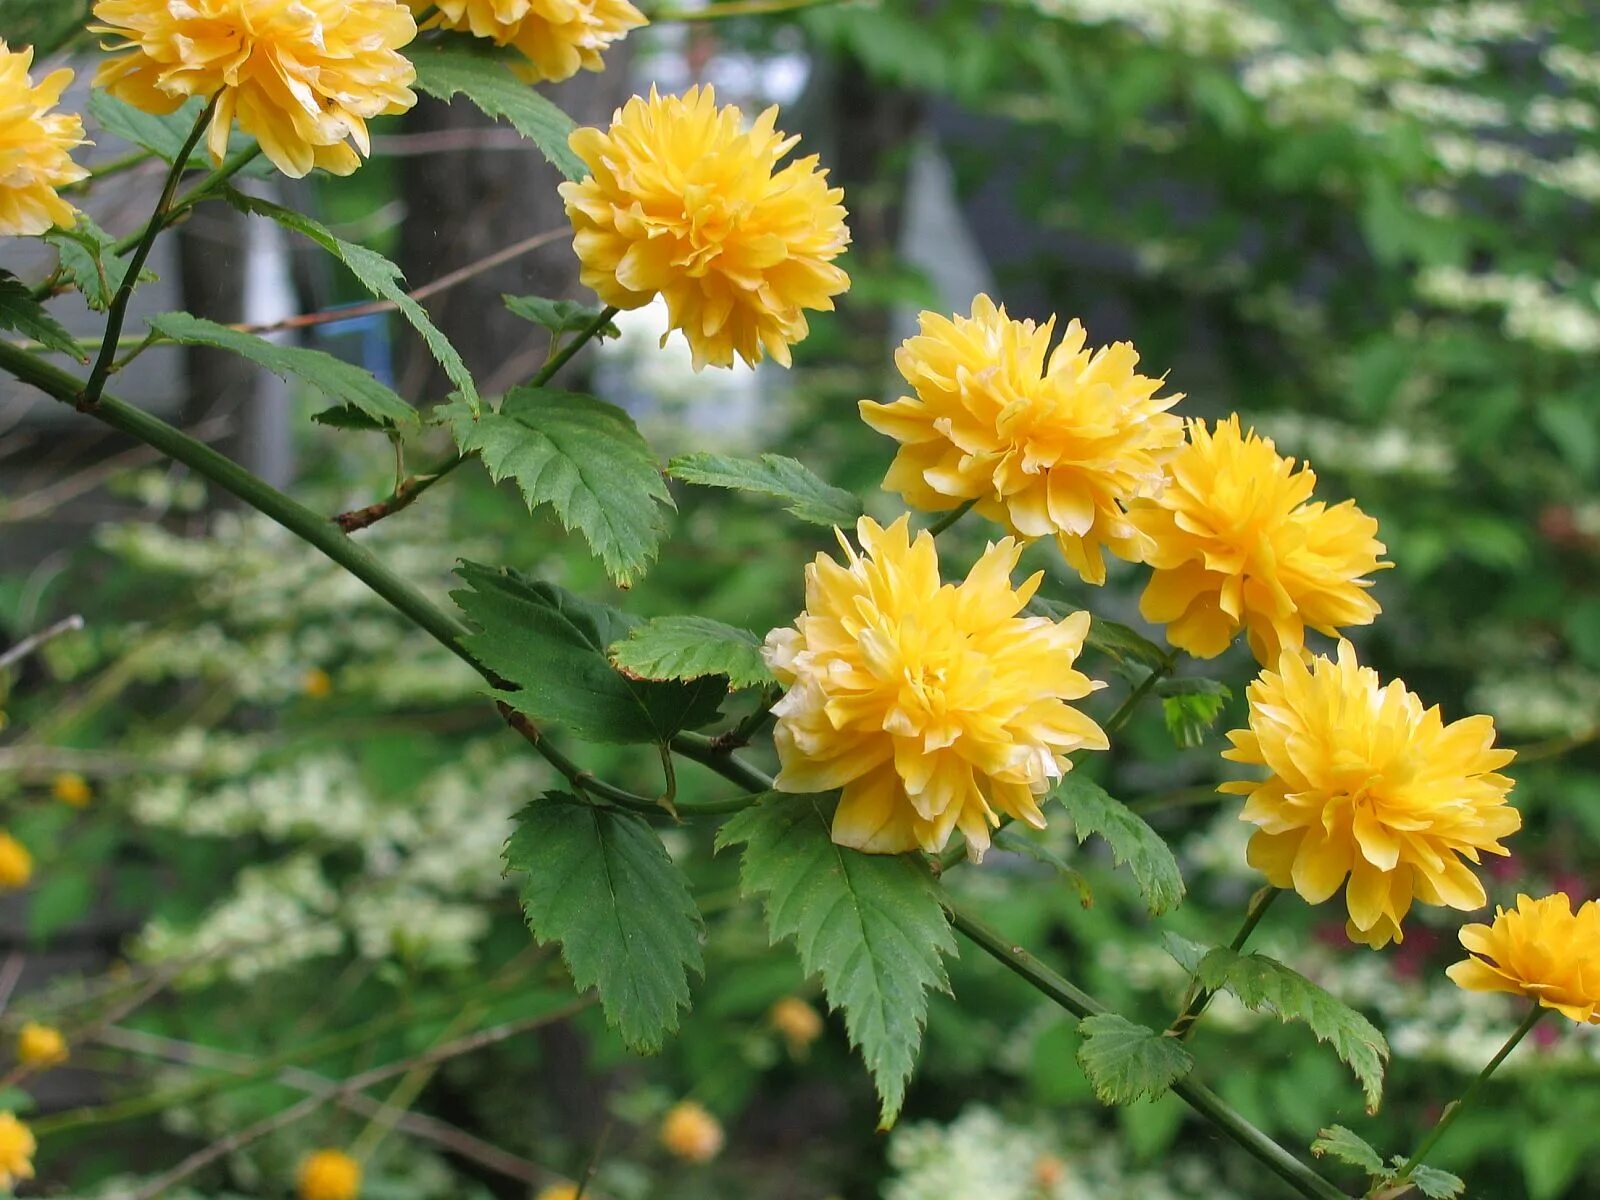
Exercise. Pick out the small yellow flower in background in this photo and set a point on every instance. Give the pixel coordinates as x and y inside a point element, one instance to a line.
<point>329,1175</point>
<point>1050,443</point>
<point>317,684</point>
<point>686,203</point>
<point>71,789</point>
<point>1367,784</point>
<point>934,706</point>
<point>1542,950</point>
<point>16,1150</point>
<point>559,1191</point>
<point>689,1132</point>
<point>302,76</point>
<point>35,147</point>
<point>797,1022</point>
<point>1237,542</point>
<point>559,38</point>
<point>41,1046</point>
<point>16,864</point>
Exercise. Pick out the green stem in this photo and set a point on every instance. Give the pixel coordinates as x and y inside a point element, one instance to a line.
<point>227,474</point>
<point>563,356</point>
<point>115,167</point>
<point>365,566</point>
<point>704,750</point>
<point>117,313</point>
<point>199,192</point>
<point>1199,1097</point>
<point>1455,1107</point>
<point>950,518</point>
<point>1126,709</point>
<point>409,489</point>
<point>1199,997</point>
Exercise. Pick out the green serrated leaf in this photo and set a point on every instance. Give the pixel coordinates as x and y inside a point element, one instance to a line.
<point>344,383</point>
<point>1132,841</point>
<point>1125,1061</point>
<point>1187,954</point>
<point>785,479</point>
<point>692,648</point>
<point>491,85</point>
<point>88,263</point>
<point>1012,839</point>
<point>1265,984</point>
<point>552,646</point>
<point>1436,1184</point>
<point>581,456</point>
<point>161,135</point>
<point>378,275</point>
<point>21,313</point>
<point>1123,644</point>
<point>559,316</point>
<point>1349,1147</point>
<point>1191,707</point>
<point>871,925</point>
<point>164,136</point>
<point>600,882</point>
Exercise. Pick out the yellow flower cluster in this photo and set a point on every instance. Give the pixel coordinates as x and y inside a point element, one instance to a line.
<point>16,864</point>
<point>934,706</point>
<point>40,1046</point>
<point>689,1132</point>
<point>687,203</point>
<point>1236,542</point>
<point>797,1023</point>
<point>558,38</point>
<point>1048,442</point>
<point>1365,784</point>
<point>302,76</point>
<point>329,1175</point>
<point>71,789</point>
<point>35,147</point>
<point>17,1147</point>
<point>1542,950</point>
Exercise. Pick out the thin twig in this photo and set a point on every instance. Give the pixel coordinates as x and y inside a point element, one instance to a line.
<point>407,491</point>
<point>241,1138</point>
<point>9,974</point>
<point>440,1133</point>
<point>442,284</point>
<point>29,644</point>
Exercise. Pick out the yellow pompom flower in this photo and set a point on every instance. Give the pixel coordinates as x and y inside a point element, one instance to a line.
<point>797,1023</point>
<point>329,1175</point>
<point>558,1191</point>
<point>559,38</point>
<point>35,147</point>
<point>689,1132</point>
<point>1236,541</point>
<point>686,203</point>
<point>316,684</point>
<point>1542,950</point>
<point>934,706</point>
<point>41,1045</point>
<point>16,1151</point>
<point>16,864</point>
<point>302,76</point>
<point>71,789</point>
<point>1049,443</point>
<point>1364,783</point>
